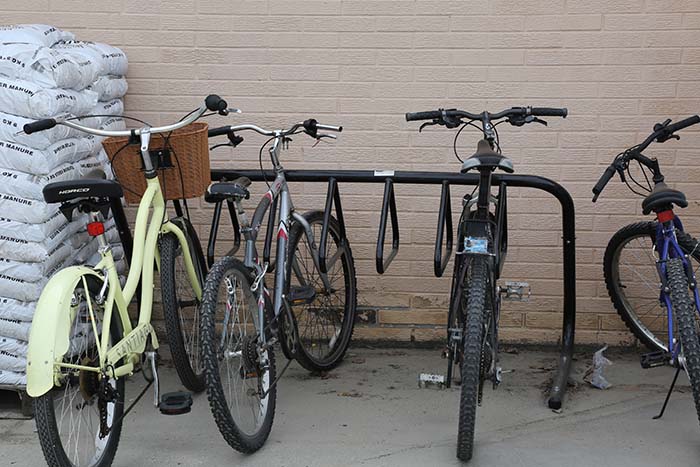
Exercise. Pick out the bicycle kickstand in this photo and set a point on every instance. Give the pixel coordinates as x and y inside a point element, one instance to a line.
<point>668,396</point>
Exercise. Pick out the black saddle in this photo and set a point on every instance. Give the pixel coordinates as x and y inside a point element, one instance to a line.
<point>60,192</point>
<point>662,197</point>
<point>222,191</point>
<point>485,157</point>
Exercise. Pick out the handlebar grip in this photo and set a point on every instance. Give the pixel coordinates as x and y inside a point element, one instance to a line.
<point>682,124</point>
<point>224,130</point>
<point>549,112</point>
<point>429,115</point>
<point>39,125</point>
<point>604,179</point>
<point>215,103</point>
<point>329,127</point>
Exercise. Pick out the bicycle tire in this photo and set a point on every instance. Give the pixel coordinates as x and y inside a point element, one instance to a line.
<point>48,428</point>
<point>476,286</point>
<point>185,350</point>
<point>611,267</point>
<point>308,354</point>
<point>233,433</point>
<point>686,324</point>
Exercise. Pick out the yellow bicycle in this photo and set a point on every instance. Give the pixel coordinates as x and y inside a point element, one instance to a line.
<point>82,343</point>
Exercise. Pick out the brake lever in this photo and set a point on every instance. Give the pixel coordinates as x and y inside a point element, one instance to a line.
<point>434,122</point>
<point>234,139</point>
<point>321,136</point>
<point>520,121</point>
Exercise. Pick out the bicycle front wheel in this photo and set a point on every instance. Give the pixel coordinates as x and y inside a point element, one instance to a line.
<point>78,422</point>
<point>686,320</point>
<point>475,303</point>
<point>325,317</point>
<point>181,309</point>
<point>238,372</point>
<point>632,281</point>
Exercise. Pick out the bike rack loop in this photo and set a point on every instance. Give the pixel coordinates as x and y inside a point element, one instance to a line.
<point>560,381</point>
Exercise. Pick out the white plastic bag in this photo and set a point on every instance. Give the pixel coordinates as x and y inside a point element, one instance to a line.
<point>41,34</point>
<point>111,124</point>
<point>19,97</point>
<point>11,361</point>
<point>27,210</point>
<point>15,346</point>
<point>30,186</point>
<point>34,233</point>
<point>110,60</point>
<point>42,65</point>
<point>599,364</point>
<point>11,378</point>
<point>15,156</point>
<point>15,328</point>
<point>16,310</point>
<point>11,130</point>
<point>109,87</point>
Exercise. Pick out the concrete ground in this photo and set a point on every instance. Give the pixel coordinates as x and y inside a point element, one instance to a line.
<point>370,412</point>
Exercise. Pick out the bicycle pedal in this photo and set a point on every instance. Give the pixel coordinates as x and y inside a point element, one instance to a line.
<point>655,359</point>
<point>516,291</point>
<point>175,403</point>
<point>427,380</point>
<point>301,295</point>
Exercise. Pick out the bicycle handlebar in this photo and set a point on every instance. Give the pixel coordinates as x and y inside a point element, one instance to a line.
<point>662,132</point>
<point>216,103</point>
<point>311,126</point>
<point>512,112</point>
<point>604,179</point>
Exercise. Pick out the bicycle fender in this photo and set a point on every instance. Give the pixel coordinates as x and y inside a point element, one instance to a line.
<point>50,331</point>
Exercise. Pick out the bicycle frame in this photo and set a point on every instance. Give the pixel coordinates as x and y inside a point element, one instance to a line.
<point>667,246</point>
<point>278,192</point>
<point>49,337</point>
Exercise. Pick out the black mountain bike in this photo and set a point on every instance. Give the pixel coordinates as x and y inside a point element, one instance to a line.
<point>472,327</point>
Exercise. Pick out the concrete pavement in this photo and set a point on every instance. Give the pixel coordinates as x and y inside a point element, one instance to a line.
<point>370,412</point>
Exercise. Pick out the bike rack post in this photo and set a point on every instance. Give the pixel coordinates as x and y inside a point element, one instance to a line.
<point>388,208</point>
<point>272,216</point>
<point>332,198</point>
<point>444,222</point>
<point>559,383</point>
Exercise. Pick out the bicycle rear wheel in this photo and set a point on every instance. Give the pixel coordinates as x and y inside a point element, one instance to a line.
<point>686,320</point>
<point>632,281</point>
<point>181,310</point>
<point>475,303</point>
<point>325,319</point>
<point>76,421</point>
<point>237,372</point>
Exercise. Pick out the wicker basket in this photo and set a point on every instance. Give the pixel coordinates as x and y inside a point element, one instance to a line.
<point>188,175</point>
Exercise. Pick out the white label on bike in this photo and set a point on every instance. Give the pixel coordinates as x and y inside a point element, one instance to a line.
<point>383,173</point>
<point>476,245</point>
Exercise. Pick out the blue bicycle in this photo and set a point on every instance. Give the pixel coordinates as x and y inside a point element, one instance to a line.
<point>649,270</point>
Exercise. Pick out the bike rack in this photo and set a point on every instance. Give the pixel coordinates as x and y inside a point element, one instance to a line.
<point>332,199</point>
<point>215,228</point>
<point>444,221</point>
<point>389,178</point>
<point>388,208</point>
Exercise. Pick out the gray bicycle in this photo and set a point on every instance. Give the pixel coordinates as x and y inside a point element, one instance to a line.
<point>310,312</point>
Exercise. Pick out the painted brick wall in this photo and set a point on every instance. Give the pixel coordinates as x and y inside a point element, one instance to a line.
<point>618,65</point>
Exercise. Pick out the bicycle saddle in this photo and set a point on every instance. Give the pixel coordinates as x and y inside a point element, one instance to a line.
<point>222,191</point>
<point>485,157</point>
<point>661,197</point>
<point>59,192</point>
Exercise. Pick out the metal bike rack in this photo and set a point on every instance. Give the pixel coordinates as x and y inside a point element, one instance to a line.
<point>389,178</point>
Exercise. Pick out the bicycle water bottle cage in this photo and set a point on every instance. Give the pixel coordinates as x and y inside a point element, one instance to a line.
<point>487,158</point>
<point>661,197</point>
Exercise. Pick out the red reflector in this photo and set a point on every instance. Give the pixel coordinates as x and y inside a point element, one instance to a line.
<point>95,228</point>
<point>665,216</point>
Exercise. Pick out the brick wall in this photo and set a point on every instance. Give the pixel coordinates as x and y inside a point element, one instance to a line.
<point>618,65</point>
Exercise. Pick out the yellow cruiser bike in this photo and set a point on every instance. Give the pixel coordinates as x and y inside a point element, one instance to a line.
<point>82,343</point>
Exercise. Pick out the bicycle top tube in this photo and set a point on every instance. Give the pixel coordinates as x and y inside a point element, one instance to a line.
<point>212,103</point>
